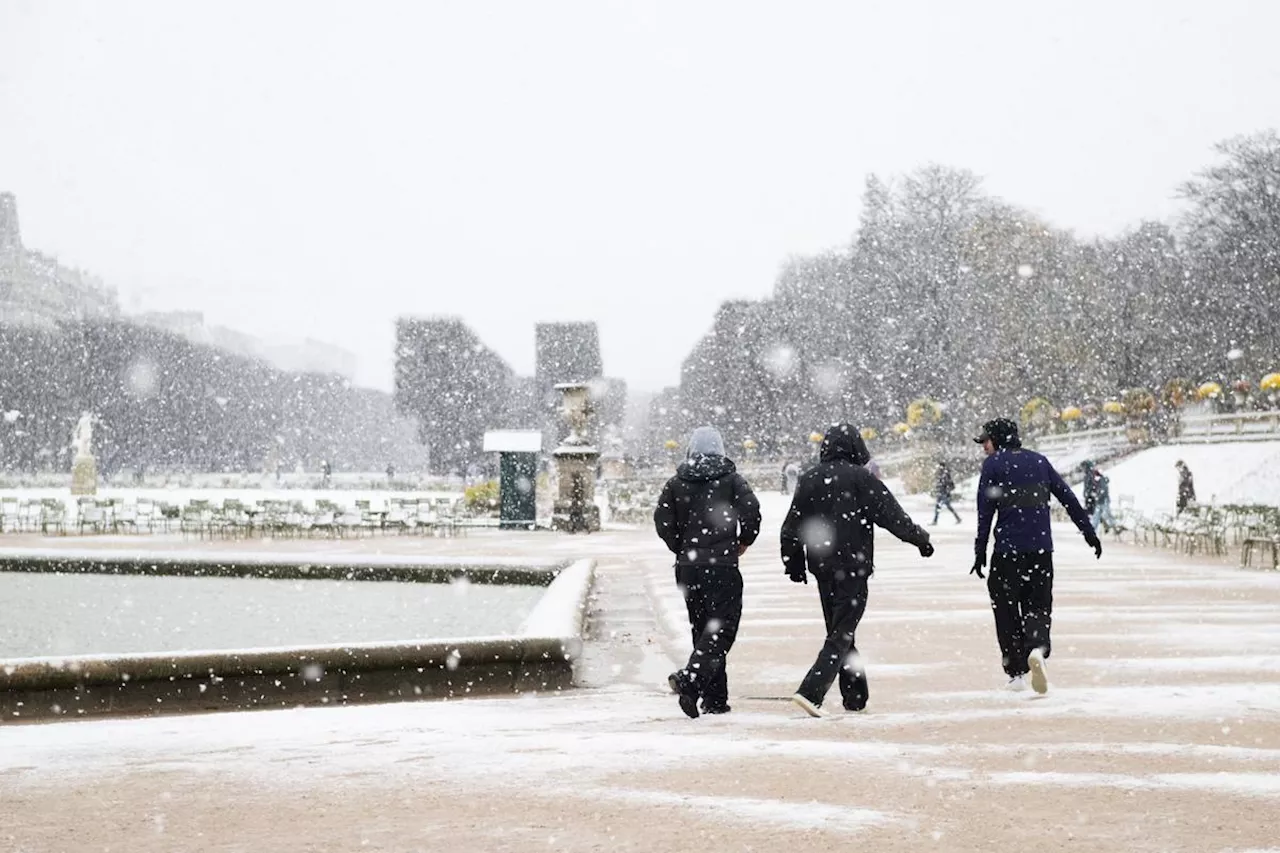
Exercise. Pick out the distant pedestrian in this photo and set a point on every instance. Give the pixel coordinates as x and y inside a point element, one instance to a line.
<point>326,471</point>
<point>790,476</point>
<point>943,485</point>
<point>1014,490</point>
<point>391,472</point>
<point>830,532</point>
<point>1101,494</point>
<point>1089,486</point>
<point>1186,486</point>
<point>708,516</point>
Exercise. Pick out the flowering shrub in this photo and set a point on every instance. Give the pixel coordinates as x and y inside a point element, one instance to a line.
<point>923,412</point>
<point>1036,413</point>
<point>1209,391</point>
<point>1177,392</point>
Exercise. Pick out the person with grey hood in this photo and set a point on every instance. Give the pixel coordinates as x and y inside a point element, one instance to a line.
<point>829,532</point>
<point>708,516</point>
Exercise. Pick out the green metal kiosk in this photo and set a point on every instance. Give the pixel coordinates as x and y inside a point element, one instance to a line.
<point>518,452</point>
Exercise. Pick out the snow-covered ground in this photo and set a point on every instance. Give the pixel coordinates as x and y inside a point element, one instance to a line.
<point>1161,730</point>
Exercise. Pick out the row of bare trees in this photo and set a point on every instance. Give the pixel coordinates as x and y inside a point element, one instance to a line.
<point>948,293</point>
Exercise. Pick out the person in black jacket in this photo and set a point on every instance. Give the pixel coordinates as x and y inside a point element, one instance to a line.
<point>943,485</point>
<point>1186,486</point>
<point>829,532</point>
<point>708,516</point>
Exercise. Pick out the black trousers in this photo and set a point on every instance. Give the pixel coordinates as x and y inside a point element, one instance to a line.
<point>713,597</point>
<point>1021,589</point>
<point>844,600</point>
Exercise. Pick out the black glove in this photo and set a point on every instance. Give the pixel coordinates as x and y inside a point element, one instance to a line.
<point>1095,543</point>
<point>926,549</point>
<point>800,576</point>
<point>979,560</point>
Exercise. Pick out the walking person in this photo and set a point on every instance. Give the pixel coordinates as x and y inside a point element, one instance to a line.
<point>790,476</point>
<point>1101,514</point>
<point>1090,487</point>
<point>1186,486</point>
<point>708,516</point>
<point>829,532</point>
<point>943,485</point>
<point>1014,490</point>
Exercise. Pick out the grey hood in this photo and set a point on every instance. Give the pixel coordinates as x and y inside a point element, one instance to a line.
<point>705,441</point>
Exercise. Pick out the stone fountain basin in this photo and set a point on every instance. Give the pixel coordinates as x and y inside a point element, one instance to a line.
<point>110,633</point>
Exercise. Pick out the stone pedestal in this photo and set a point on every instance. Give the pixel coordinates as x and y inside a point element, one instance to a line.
<point>574,509</point>
<point>84,476</point>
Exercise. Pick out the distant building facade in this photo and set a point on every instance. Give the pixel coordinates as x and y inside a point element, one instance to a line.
<point>36,290</point>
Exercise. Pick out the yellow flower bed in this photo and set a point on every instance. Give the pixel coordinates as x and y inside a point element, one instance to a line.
<point>1209,390</point>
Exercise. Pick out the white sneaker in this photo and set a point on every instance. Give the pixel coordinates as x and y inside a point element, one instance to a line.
<point>1039,671</point>
<point>1017,684</point>
<point>809,708</point>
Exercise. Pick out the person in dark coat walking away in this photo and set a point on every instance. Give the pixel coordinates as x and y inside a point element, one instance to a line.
<point>943,485</point>
<point>708,516</point>
<point>1090,487</point>
<point>1014,490</point>
<point>829,532</point>
<point>1186,486</point>
<point>1100,485</point>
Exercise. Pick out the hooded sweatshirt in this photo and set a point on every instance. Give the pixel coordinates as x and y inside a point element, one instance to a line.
<point>837,504</point>
<point>707,509</point>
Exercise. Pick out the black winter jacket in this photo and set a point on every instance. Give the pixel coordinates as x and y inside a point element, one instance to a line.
<point>706,511</point>
<point>830,524</point>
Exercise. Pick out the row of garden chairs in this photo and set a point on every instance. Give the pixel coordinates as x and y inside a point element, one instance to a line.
<point>233,518</point>
<point>1210,529</point>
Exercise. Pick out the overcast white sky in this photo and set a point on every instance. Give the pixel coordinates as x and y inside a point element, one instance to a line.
<point>316,169</point>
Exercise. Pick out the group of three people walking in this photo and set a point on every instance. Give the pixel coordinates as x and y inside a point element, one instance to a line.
<point>708,516</point>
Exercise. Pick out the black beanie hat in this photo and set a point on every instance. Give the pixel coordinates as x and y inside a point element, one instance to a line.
<point>1002,432</point>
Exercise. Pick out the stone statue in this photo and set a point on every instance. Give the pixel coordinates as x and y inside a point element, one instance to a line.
<point>82,438</point>
<point>84,468</point>
<point>576,409</point>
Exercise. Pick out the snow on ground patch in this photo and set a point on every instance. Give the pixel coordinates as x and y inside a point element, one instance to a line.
<point>1221,663</point>
<point>495,742</point>
<point>795,815</point>
<point>1186,702</point>
<point>1237,784</point>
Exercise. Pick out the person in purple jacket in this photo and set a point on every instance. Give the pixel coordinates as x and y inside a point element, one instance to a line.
<point>1014,489</point>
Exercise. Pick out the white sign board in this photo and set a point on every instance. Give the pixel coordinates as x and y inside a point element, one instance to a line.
<point>512,441</point>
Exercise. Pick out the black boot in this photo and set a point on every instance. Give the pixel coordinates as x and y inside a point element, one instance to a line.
<point>682,685</point>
